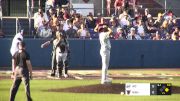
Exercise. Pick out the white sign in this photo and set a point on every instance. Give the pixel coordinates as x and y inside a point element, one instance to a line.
<point>137,89</point>
<point>84,9</point>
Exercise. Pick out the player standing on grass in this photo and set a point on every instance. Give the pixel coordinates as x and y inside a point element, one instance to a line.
<point>22,71</point>
<point>104,51</point>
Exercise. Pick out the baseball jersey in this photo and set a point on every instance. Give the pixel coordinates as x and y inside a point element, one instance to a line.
<point>21,58</point>
<point>62,46</point>
<point>14,47</point>
<point>104,41</point>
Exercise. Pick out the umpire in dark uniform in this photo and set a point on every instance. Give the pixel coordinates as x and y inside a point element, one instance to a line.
<point>22,71</point>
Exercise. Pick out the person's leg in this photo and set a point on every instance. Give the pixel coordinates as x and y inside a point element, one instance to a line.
<point>59,64</point>
<point>108,10</point>
<point>131,12</point>
<point>65,65</point>
<point>115,11</point>
<point>103,74</point>
<point>107,63</point>
<point>53,64</point>
<point>27,87</point>
<point>59,68</point>
<point>66,68</point>
<point>118,11</point>
<point>14,88</point>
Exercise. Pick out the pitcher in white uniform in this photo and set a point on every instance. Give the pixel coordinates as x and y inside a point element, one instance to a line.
<point>105,52</point>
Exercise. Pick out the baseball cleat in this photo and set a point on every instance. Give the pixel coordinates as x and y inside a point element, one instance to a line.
<point>107,81</point>
<point>65,75</point>
<point>52,74</point>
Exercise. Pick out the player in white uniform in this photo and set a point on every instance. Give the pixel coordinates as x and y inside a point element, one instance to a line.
<point>17,38</point>
<point>14,47</point>
<point>105,52</point>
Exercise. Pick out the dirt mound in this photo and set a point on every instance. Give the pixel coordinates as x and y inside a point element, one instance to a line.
<point>98,88</point>
<point>114,88</point>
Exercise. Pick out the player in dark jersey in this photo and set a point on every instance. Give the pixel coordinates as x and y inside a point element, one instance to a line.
<point>62,57</point>
<point>22,71</point>
<point>59,54</point>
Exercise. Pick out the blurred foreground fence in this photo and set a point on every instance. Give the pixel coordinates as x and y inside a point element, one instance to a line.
<point>85,54</point>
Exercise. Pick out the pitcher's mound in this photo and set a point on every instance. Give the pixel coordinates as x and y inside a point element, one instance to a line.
<point>114,88</point>
<point>97,88</point>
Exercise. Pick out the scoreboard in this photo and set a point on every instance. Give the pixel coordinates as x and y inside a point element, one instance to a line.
<point>161,89</point>
<point>147,89</point>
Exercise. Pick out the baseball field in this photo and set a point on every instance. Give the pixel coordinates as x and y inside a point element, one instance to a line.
<point>84,85</point>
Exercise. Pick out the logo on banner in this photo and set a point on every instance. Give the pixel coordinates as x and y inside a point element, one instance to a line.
<point>86,1</point>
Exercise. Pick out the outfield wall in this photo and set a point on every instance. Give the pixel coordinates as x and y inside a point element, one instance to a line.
<point>85,54</point>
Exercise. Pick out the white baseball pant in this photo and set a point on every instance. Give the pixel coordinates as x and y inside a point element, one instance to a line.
<point>105,56</point>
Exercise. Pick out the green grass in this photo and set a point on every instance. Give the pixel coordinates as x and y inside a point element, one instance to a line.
<point>37,87</point>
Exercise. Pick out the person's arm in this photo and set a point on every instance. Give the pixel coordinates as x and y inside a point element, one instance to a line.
<point>156,21</point>
<point>46,17</point>
<point>123,3</point>
<point>13,66</point>
<point>57,22</point>
<point>79,33</point>
<point>67,44</point>
<point>88,34</point>
<point>134,4</point>
<point>96,28</point>
<point>109,31</point>
<point>28,62</point>
<point>138,37</point>
<point>47,43</point>
<point>115,4</point>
